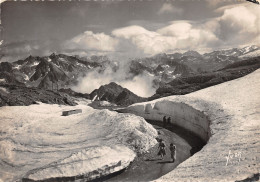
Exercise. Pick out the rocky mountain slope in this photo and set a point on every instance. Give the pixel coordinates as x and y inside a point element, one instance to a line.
<point>18,94</point>
<point>62,71</point>
<point>114,93</point>
<point>167,67</point>
<point>174,74</point>
<point>188,84</point>
<point>54,71</point>
<point>14,95</point>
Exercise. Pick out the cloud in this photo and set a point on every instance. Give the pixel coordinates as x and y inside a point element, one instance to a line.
<point>176,29</point>
<point>178,35</point>
<point>238,24</point>
<point>149,42</point>
<point>90,40</point>
<point>189,36</point>
<point>169,8</point>
<point>19,50</point>
<point>141,84</point>
<point>95,78</point>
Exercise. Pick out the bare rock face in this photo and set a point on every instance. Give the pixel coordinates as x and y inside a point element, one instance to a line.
<point>227,117</point>
<point>13,95</point>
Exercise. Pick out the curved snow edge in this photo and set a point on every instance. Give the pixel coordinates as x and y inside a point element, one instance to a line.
<point>109,160</point>
<point>181,114</point>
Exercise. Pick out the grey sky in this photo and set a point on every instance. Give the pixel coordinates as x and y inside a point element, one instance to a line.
<point>62,20</point>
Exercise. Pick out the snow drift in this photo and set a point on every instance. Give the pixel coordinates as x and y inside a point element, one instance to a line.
<point>37,142</point>
<point>227,117</point>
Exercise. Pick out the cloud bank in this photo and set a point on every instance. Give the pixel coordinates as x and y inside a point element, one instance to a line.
<point>235,26</point>
<point>169,8</point>
<point>141,84</point>
<point>238,25</point>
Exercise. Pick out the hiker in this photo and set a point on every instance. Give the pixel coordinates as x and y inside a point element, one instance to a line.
<point>161,147</point>
<point>173,152</point>
<point>164,121</point>
<point>169,121</point>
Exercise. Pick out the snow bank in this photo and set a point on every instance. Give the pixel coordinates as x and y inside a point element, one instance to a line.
<point>231,112</point>
<point>35,138</point>
<point>92,163</point>
<point>105,103</point>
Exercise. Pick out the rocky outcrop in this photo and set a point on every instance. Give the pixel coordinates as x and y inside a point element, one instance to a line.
<point>189,84</point>
<point>116,94</point>
<point>14,95</point>
<point>228,116</point>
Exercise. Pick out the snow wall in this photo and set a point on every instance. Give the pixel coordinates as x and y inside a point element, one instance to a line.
<point>181,114</point>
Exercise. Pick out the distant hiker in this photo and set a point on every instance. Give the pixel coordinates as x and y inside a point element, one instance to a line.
<point>161,147</point>
<point>169,121</point>
<point>173,152</point>
<point>164,121</point>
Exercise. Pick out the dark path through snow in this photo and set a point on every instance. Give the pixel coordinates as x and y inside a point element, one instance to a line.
<point>149,166</point>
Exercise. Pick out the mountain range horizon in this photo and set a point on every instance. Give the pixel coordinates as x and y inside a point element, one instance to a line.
<point>142,76</point>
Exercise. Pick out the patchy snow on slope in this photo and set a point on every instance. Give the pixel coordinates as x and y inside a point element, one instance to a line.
<point>17,66</point>
<point>36,139</point>
<point>2,80</point>
<point>105,103</point>
<point>35,63</point>
<point>4,90</point>
<point>227,117</point>
<point>251,54</point>
<point>26,77</point>
<point>80,64</point>
<point>63,60</point>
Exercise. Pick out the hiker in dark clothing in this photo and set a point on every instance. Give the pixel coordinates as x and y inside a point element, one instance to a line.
<point>173,152</point>
<point>164,121</point>
<point>169,121</point>
<point>161,147</point>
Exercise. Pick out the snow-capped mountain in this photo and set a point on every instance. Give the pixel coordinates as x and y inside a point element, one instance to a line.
<point>193,62</point>
<point>251,54</point>
<point>63,71</point>
<point>188,84</point>
<point>60,70</point>
<point>114,93</point>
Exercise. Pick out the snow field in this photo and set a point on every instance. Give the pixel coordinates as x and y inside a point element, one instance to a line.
<point>33,137</point>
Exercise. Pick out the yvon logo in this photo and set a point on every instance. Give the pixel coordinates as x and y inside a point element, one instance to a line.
<point>233,158</point>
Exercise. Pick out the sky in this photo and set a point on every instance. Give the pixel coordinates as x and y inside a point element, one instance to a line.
<point>126,29</point>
